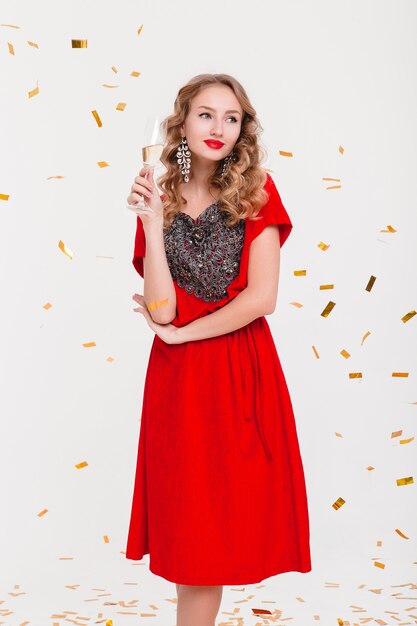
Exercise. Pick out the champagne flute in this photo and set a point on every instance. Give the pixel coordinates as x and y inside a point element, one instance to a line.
<point>151,152</point>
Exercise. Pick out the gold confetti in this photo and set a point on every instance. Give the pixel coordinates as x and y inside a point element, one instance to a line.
<point>370,468</point>
<point>157,304</point>
<point>91,344</point>
<point>286,154</point>
<point>340,622</point>
<point>389,229</point>
<point>78,43</point>
<point>355,374</point>
<point>399,374</point>
<point>34,92</point>
<point>329,307</point>
<point>47,306</point>
<point>114,69</point>
<point>378,564</point>
<point>408,480</point>
<point>396,433</point>
<point>110,86</point>
<point>121,106</point>
<point>323,246</point>
<point>401,534</point>
<point>339,502</point>
<point>331,286</point>
<point>315,352</point>
<point>140,29</point>
<point>4,196</point>
<point>102,164</point>
<point>405,441</point>
<point>110,359</point>
<point>365,336</point>
<point>109,622</point>
<point>10,25</point>
<point>65,249</point>
<point>97,118</point>
<point>300,272</point>
<point>345,353</point>
<point>11,49</point>
<point>135,74</point>
<point>341,149</point>
<point>106,539</point>
<point>49,177</point>
<point>42,512</point>
<point>339,435</point>
<point>81,465</point>
<point>297,304</point>
<point>408,316</point>
<point>33,44</point>
<point>370,284</point>
<point>333,186</point>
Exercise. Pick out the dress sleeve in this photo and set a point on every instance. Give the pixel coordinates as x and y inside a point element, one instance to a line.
<point>140,247</point>
<point>273,212</point>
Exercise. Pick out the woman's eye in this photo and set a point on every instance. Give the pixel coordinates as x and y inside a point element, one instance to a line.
<point>230,118</point>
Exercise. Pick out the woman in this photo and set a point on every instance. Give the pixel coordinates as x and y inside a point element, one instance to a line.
<point>219,496</point>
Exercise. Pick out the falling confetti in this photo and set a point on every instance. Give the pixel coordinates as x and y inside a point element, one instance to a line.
<point>79,43</point>
<point>81,465</point>
<point>65,249</point>
<point>339,502</point>
<point>97,118</point>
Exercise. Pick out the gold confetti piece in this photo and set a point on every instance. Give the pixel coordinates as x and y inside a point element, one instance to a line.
<point>389,229</point>
<point>329,307</point>
<point>297,304</point>
<point>49,177</point>
<point>370,468</point>
<point>110,359</point>
<point>10,25</point>
<point>4,196</point>
<point>97,118</point>
<point>78,43</point>
<point>47,306</point>
<point>345,353</point>
<point>399,374</point>
<point>339,502</point>
<point>261,612</point>
<point>102,164</point>
<point>378,564</point>
<point>398,531</point>
<point>365,336</point>
<point>330,286</point>
<point>335,179</point>
<point>11,49</point>
<point>114,69</point>
<point>33,44</point>
<point>408,480</point>
<point>355,374</point>
<point>81,465</point>
<point>404,441</point>
<point>300,272</point>
<point>340,621</point>
<point>408,316</point>
<point>140,29</point>
<point>379,543</point>
<point>65,558</point>
<point>339,435</point>
<point>34,92</point>
<point>106,539</point>
<point>109,86</point>
<point>135,74</point>
<point>396,433</point>
<point>90,344</point>
<point>315,352</point>
<point>65,249</point>
<point>323,246</point>
<point>42,512</point>
<point>109,622</point>
<point>286,154</point>
<point>370,284</point>
<point>341,149</point>
<point>157,304</point>
<point>121,106</point>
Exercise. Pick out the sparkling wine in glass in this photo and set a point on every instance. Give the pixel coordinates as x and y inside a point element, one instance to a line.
<point>152,147</point>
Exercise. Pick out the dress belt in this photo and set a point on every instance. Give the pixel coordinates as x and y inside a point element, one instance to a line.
<point>258,410</point>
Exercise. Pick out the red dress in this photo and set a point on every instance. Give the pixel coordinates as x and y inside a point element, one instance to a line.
<point>219,495</point>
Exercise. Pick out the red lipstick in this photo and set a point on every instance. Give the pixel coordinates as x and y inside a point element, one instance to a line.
<point>213,143</point>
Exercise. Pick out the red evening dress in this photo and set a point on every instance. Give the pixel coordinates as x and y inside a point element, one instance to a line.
<point>219,494</point>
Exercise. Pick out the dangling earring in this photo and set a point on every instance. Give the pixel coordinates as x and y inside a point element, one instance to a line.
<point>230,157</point>
<point>184,159</point>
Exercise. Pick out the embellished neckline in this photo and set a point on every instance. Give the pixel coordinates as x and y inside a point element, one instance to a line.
<point>201,215</point>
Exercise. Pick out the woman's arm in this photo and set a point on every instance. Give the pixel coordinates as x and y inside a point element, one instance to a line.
<point>158,290</point>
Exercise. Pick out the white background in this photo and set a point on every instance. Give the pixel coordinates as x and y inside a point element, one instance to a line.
<point>321,75</point>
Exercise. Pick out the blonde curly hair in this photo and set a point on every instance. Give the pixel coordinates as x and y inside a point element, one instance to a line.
<point>241,192</point>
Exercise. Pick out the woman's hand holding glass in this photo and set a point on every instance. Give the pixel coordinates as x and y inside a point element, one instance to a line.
<point>144,187</point>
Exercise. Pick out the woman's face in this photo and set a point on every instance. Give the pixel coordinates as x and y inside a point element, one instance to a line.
<point>215,115</point>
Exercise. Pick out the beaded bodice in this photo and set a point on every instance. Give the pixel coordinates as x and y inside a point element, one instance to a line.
<point>204,254</point>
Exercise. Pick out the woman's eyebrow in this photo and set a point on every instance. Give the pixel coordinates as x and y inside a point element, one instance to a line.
<point>210,109</point>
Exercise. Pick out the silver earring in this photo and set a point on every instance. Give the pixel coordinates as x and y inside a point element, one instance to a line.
<point>184,159</point>
<point>230,157</point>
